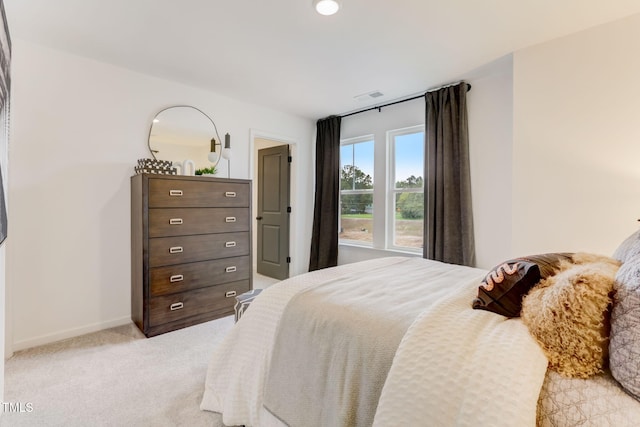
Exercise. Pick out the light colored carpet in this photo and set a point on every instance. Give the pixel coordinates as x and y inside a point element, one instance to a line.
<point>115,377</point>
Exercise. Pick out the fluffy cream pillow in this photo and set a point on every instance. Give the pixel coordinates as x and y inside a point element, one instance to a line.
<point>568,314</point>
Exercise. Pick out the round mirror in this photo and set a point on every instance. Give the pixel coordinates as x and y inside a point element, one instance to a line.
<point>182,133</point>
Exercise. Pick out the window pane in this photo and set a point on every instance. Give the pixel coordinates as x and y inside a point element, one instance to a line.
<point>356,166</point>
<point>356,217</point>
<point>363,162</point>
<point>356,173</point>
<point>408,167</point>
<point>408,221</point>
<point>409,160</point>
<point>346,160</point>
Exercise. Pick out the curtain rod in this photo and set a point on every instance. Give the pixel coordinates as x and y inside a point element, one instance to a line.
<point>380,107</point>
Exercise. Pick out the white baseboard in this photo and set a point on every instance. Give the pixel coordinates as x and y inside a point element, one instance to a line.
<point>69,333</point>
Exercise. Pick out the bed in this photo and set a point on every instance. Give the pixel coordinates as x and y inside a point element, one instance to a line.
<point>391,342</point>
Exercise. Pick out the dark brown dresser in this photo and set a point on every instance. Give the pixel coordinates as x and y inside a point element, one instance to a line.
<point>190,249</point>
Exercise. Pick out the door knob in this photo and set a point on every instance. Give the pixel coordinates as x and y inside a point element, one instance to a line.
<point>258,218</point>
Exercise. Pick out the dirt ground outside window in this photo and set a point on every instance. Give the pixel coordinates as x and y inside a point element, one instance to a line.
<point>408,232</point>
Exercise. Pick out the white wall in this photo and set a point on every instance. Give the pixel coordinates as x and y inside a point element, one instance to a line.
<point>78,127</point>
<point>577,141</point>
<point>490,106</point>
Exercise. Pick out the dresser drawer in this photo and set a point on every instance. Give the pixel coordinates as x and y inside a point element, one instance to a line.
<point>183,277</point>
<point>169,308</point>
<point>175,193</point>
<point>178,250</point>
<point>188,221</point>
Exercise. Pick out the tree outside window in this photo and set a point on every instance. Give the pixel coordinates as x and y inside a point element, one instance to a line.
<point>356,191</point>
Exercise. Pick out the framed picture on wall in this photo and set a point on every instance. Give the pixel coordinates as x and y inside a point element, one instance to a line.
<point>5,85</point>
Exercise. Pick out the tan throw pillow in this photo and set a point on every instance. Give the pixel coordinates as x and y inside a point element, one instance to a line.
<point>568,315</point>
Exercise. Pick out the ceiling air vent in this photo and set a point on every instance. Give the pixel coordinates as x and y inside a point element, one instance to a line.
<point>368,96</point>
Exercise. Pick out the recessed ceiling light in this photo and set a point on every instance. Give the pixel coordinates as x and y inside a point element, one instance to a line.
<point>326,7</point>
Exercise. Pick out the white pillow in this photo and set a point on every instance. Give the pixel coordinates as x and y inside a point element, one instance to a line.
<point>624,342</point>
<point>629,248</point>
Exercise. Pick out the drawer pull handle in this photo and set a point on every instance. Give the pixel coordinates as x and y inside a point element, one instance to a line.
<point>230,219</point>
<point>231,269</point>
<point>230,294</point>
<point>177,193</point>
<point>175,221</point>
<point>176,306</point>
<point>230,244</point>
<point>176,278</point>
<point>176,250</point>
<point>230,194</point>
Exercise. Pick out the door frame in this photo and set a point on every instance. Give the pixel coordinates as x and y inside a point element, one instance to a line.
<point>297,264</point>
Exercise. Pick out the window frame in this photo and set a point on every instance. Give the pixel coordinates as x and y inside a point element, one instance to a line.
<point>350,242</point>
<point>391,190</point>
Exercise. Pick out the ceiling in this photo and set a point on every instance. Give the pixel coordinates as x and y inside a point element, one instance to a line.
<point>283,55</point>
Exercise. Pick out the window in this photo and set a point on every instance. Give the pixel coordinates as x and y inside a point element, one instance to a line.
<point>356,190</point>
<point>405,193</point>
<point>397,223</point>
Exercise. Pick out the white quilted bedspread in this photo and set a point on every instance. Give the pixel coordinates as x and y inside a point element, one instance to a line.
<point>238,369</point>
<point>455,366</point>
<point>462,367</point>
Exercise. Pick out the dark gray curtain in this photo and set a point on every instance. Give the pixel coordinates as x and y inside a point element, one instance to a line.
<point>324,240</point>
<point>448,225</point>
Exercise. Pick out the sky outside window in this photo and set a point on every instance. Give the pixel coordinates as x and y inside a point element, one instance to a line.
<point>409,155</point>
